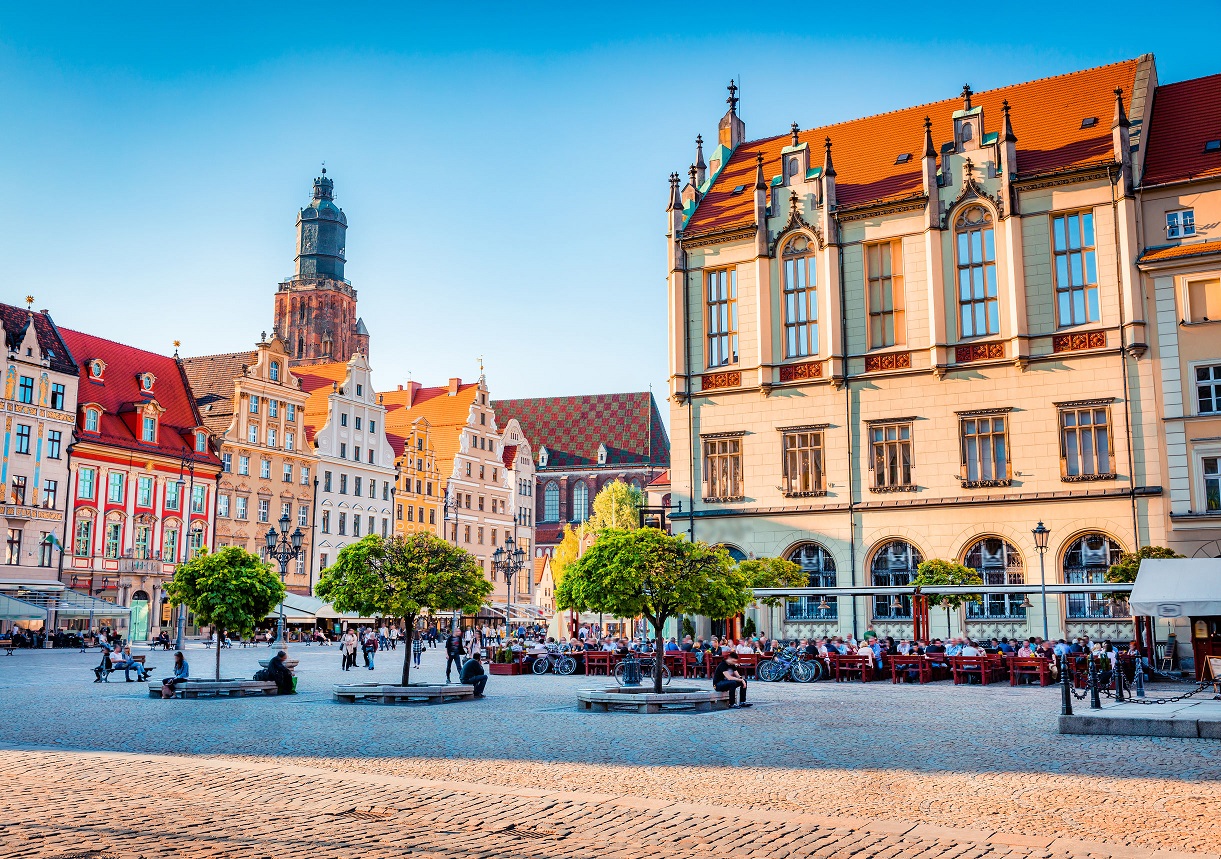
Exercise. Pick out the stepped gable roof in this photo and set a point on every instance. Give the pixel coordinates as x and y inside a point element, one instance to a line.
<point>119,393</point>
<point>17,319</point>
<point>319,381</point>
<point>1046,113</point>
<point>212,379</point>
<point>446,414</point>
<point>571,428</point>
<point>1186,115</point>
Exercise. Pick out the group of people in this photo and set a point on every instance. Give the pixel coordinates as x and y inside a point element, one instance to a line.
<point>367,641</point>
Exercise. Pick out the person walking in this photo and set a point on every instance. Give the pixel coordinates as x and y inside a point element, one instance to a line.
<point>370,648</point>
<point>349,650</point>
<point>417,650</point>
<point>453,654</point>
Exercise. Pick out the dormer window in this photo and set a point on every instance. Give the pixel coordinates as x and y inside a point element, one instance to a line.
<point>96,368</point>
<point>146,382</point>
<point>274,373</point>
<point>542,457</point>
<point>148,430</point>
<point>201,441</point>
<point>92,418</point>
<point>601,454</point>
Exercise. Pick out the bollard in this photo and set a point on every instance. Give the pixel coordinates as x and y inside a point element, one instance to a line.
<point>1139,679</point>
<point>631,671</point>
<point>1095,703</point>
<point>1118,671</point>
<point>1066,686</point>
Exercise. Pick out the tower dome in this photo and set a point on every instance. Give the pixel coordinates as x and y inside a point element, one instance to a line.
<point>322,230</point>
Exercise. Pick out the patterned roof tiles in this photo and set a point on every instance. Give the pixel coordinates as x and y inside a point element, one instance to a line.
<point>572,428</point>
<point>1046,116</point>
<point>213,382</point>
<point>1186,115</point>
<point>16,319</point>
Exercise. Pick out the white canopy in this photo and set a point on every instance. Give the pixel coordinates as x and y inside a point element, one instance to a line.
<point>1177,587</point>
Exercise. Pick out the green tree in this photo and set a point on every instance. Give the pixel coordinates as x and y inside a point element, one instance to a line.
<point>938,573</point>
<point>647,573</point>
<point>772,573</point>
<point>231,589</point>
<point>616,506</point>
<point>1124,570</point>
<point>566,552</point>
<point>401,577</point>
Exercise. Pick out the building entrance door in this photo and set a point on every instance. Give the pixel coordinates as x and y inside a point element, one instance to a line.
<point>139,616</point>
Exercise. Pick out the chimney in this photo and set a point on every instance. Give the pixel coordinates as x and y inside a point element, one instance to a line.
<point>454,384</point>
<point>413,388</point>
<point>731,131</point>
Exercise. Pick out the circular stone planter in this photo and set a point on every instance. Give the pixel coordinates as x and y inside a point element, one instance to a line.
<point>643,699</point>
<point>416,693</point>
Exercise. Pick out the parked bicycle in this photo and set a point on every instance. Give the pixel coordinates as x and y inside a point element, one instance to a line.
<point>788,664</point>
<point>555,660</point>
<point>647,666</point>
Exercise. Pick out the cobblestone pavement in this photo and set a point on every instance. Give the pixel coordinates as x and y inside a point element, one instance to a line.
<point>820,770</point>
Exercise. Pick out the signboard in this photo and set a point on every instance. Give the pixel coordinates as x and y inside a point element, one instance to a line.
<point>1214,667</point>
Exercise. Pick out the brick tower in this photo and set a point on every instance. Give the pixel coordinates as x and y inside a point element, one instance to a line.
<point>316,308</point>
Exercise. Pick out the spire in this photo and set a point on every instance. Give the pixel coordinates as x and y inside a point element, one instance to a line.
<point>795,129</point>
<point>966,96</point>
<point>675,202</point>
<point>828,169</point>
<point>733,97</point>
<point>1007,134</point>
<point>929,150</point>
<point>792,205</point>
<point>692,172</point>
<point>731,130</point>
<point>700,166</point>
<point>760,182</point>
<point>1121,117</point>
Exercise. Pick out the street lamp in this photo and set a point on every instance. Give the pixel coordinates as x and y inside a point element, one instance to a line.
<point>284,548</point>
<point>185,469</point>
<point>508,560</point>
<point>1040,543</point>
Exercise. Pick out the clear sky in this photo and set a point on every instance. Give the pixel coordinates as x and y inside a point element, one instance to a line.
<point>503,166</point>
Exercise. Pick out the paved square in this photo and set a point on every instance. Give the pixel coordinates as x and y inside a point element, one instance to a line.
<point>820,770</point>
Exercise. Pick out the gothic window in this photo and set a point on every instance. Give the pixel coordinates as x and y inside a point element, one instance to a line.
<point>800,299</point>
<point>300,346</point>
<point>998,563</point>
<point>978,308</point>
<point>580,502</point>
<point>1085,563</point>
<point>819,567</point>
<point>894,565</point>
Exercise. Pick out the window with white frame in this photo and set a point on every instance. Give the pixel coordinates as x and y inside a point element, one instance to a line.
<point>721,316</point>
<point>1180,224</point>
<point>800,271</point>
<point>1208,389</point>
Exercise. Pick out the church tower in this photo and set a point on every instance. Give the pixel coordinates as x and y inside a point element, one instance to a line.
<point>316,308</point>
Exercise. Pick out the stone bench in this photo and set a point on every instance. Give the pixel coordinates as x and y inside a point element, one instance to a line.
<point>384,693</point>
<point>219,688</point>
<point>647,701</point>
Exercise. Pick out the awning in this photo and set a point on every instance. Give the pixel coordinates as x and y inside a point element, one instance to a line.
<point>519,611</point>
<point>15,609</point>
<point>298,608</point>
<point>1177,587</point>
<point>71,604</point>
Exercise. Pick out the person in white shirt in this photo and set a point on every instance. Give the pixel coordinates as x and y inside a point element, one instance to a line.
<point>969,649</point>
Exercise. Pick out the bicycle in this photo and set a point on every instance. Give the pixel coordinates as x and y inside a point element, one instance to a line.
<point>647,665</point>
<point>555,660</point>
<point>788,664</point>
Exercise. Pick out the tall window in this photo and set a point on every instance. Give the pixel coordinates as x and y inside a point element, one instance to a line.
<point>275,371</point>
<point>241,504</point>
<point>998,563</point>
<point>222,506</point>
<point>17,489</point>
<point>173,495</point>
<point>1085,563</point>
<point>254,404</point>
<point>91,420</point>
<point>891,455</point>
<point>1085,443</point>
<point>54,443</point>
<point>803,473</point>
<point>819,567</point>
<point>723,469</point>
<point>290,412</point>
<point>149,430</point>
<point>44,549</point>
<point>13,555</point>
<point>721,314</point>
<point>800,299</point>
<point>50,493</point>
<point>1208,389</point>
<point>199,499</point>
<point>114,494</point>
<point>265,469</point>
<point>196,540</point>
<point>326,521</point>
<point>264,509</point>
<point>114,537</point>
<point>144,491</point>
<point>1212,484</point>
<point>143,534</point>
<point>343,524</point>
<point>86,482</point>
<point>894,565</point>
<point>985,449</point>
<point>978,311</point>
<point>169,551</point>
<point>551,502</point>
<point>1076,269</point>
<point>25,390</point>
<point>884,293</point>
<point>83,544</point>
<point>243,464</point>
<point>23,438</point>
<point>580,502</point>
<point>57,396</point>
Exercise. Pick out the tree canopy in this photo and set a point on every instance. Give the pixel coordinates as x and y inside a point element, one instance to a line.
<point>1124,570</point>
<point>566,552</point>
<point>231,589</point>
<point>936,572</point>
<point>402,577</point>
<point>773,573</point>
<point>616,506</point>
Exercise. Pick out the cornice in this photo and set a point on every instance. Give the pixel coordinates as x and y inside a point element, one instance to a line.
<point>716,237</point>
<point>881,208</point>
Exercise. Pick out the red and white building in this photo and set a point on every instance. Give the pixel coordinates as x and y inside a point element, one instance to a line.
<point>143,476</point>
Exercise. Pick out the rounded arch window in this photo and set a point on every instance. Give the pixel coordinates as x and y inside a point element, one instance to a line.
<point>975,260</point>
<point>551,502</point>
<point>819,566</point>
<point>735,553</point>
<point>998,562</point>
<point>636,485</point>
<point>580,502</point>
<point>139,595</point>
<point>1086,562</point>
<point>894,565</point>
<point>800,276</point>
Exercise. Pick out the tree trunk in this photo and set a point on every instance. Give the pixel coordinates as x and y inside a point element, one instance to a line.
<point>220,640</point>
<point>409,622</point>
<point>659,652</point>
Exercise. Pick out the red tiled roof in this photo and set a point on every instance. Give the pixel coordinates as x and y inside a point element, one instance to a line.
<point>508,453</point>
<point>15,321</point>
<point>119,394</point>
<point>213,380</point>
<point>540,564</point>
<point>1194,249</point>
<point>447,415</point>
<point>1046,116</point>
<point>662,479</point>
<point>571,428</point>
<point>1186,115</point>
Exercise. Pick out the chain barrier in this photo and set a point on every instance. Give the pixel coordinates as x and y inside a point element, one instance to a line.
<point>1114,684</point>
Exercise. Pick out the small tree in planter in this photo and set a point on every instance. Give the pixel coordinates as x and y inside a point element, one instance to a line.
<point>231,589</point>
<point>402,577</point>
<point>647,573</point>
<point>771,573</point>
<point>936,572</point>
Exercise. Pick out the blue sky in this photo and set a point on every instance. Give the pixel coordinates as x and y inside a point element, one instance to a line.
<point>503,167</point>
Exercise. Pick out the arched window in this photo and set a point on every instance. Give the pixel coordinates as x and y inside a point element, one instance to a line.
<point>1086,563</point>
<point>800,298</point>
<point>998,563</point>
<point>636,485</point>
<point>580,502</point>
<point>735,554</point>
<point>551,502</point>
<point>275,371</point>
<point>978,309</point>
<point>894,565</point>
<point>819,568</point>
<point>300,346</point>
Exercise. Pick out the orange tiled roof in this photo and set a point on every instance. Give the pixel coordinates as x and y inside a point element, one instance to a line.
<point>662,479</point>
<point>319,380</point>
<point>1186,115</point>
<point>447,415</point>
<point>1046,116</point>
<point>213,381</point>
<point>540,564</point>
<point>1194,249</point>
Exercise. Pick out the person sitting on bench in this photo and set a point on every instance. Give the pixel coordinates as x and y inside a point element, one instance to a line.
<point>277,672</point>
<point>105,666</point>
<point>128,663</point>
<point>473,674</point>
<point>182,671</point>
<point>727,679</point>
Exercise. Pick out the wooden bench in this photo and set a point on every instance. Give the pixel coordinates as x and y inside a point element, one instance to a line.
<point>1035,667</point>
<point>106,672</point>
<point>903,666</point>
<point>987,668</point>
<point>192,688</point>
<point>384,693</point>
<point>844,666</point>
<point>9,646</point>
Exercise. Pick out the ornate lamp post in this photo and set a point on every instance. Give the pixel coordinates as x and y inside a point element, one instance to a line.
<point>283,547</point>
<point>1040,543</point>
<point>508,560</point>
<point>186,469</point>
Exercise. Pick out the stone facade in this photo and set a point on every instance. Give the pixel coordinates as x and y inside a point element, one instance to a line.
<point>517,455</point>
<point>417,493</point>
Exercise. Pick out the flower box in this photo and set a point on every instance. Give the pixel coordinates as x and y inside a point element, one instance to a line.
<point>506,668</point>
